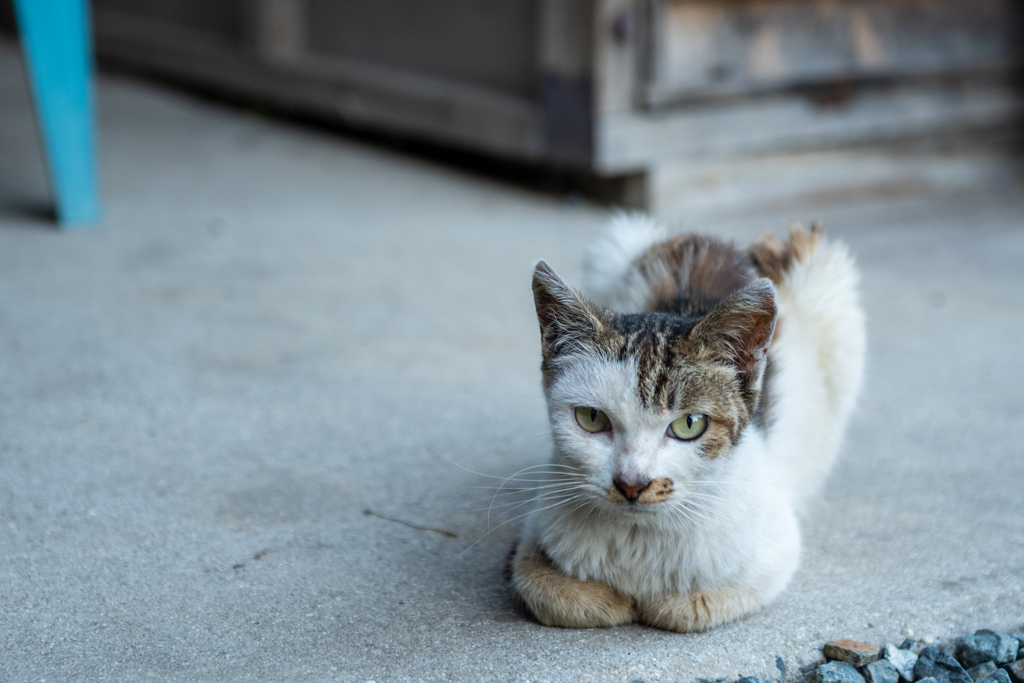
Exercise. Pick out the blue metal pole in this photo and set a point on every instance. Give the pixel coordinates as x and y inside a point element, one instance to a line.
<point>56,44</point>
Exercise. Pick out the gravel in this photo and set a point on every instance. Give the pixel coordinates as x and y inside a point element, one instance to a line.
<point>1000,676</point>
<point>982,671</point>
<point>839,672</point>
<point>901,658</point>
<point>851,651</point>
<point>1016,671</point>
<point>990,655</point>
<point>881,671</point>
<point>941,665</point>
<point>986,646</point>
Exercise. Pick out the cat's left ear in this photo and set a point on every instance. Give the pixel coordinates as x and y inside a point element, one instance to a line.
<point>739,331</point>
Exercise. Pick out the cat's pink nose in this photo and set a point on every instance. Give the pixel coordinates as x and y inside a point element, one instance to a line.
<point>631,488</point>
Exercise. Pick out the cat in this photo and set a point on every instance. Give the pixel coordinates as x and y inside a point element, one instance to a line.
<point>697,400</point>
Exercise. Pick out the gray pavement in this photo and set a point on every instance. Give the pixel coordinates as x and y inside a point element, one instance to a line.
<point>277,329</point>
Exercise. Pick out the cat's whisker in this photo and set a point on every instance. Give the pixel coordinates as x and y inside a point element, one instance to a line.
<point>583,502</point>
<point>544,482</point>
<point>704,497</point>
<point>699,502</point>
<point>549,464</point>
<point>492,476</point>
<point>789,486</point>
<point>561,500</point>
<point>500,490</point>
<point>524,492</point>
<point>531,438</point>
<point>515,477</point>
<point>551,495</point>
<point>713,515</point>
<point>685,514</point>
<point>689,513</point>
<point>510,521</point>
<point>706,512</point>
<point>547,495</point>
<point>517,507</point>
<point>520,481</point>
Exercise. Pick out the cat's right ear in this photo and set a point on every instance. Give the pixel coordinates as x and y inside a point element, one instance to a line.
<point>739,331</point>
<point>568,322</point>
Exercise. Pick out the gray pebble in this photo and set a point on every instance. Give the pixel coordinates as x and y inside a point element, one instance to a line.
<point>901,658</point>
<point>1016,671</point>
<point>928,679</point>
<point>986,646</point>
<point>839,672</point>
<point>933,662</point>
<point>1006,649</point>
<point>1019,637</point>
<point>982,671</point>
<point>755,679</point>
<point>881,671</point>
<point>973,650</point>
<point>1000,676</point>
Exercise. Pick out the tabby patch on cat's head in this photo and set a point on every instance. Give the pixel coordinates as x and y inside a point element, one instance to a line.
<point>641,373</point>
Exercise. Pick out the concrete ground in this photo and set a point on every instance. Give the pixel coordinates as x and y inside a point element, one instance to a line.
<point>277,329</point>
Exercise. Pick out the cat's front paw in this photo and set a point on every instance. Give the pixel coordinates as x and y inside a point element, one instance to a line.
<point>557,599</point>
<point>699,611</point>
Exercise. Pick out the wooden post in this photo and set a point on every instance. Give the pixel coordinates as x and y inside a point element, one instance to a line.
<point>565,43</point>
<point>279,30</point>
<point>618,41</point>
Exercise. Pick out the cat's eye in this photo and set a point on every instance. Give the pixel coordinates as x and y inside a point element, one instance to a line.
<point>592,419</point>
<point>689,427</point>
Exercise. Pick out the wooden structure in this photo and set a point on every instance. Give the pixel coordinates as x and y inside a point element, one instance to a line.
<point>611,87</point>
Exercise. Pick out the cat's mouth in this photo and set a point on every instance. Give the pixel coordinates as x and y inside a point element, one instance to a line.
<point>635,512</point>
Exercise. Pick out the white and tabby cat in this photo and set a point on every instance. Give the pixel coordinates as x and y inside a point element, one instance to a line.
<point>696,401</point>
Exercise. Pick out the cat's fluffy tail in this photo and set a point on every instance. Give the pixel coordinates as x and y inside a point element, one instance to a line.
<point>818,351</point>
<point>609,259</point>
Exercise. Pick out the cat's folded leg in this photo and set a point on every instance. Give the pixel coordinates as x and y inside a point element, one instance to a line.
<point>699,611</point>
<point>557,599</point>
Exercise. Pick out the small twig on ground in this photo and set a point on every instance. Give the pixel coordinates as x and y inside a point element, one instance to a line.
<point>450,534</point>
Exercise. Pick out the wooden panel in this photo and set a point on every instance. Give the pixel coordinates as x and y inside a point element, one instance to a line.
<point>490,43</point>
<point>586,83</point>
<point>633,141</point>
<point>353,93</point>
<point>221,18</point>
<point>703,48</point>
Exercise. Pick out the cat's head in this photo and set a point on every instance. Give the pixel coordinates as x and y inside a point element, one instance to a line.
<point>645,406</point>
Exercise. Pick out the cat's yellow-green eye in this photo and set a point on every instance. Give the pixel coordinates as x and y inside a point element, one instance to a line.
<point>689,427</point>
<point>592,419</point>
